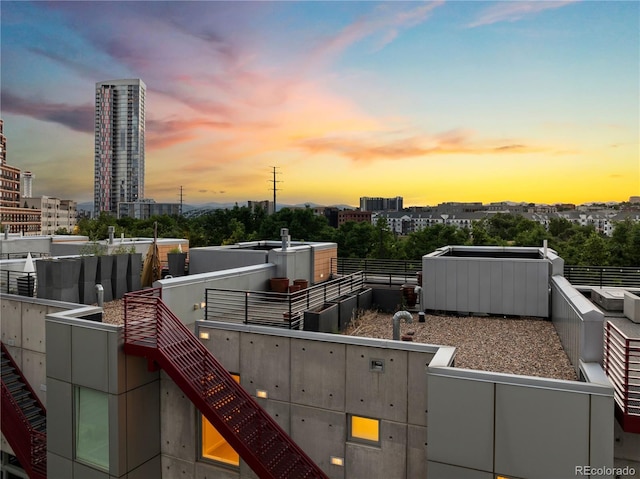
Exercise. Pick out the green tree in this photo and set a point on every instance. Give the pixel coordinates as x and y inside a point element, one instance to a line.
<point>594,251</point>
<point>303,224</point>
<point>356,239</point>
<point>422,242</point>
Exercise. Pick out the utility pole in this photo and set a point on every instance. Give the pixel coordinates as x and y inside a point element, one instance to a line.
<point>275,188</point>
<point>181,199</point>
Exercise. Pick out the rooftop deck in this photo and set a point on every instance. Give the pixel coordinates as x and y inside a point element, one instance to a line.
<point>524,346</point>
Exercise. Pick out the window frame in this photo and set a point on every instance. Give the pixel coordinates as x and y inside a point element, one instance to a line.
<point>359,439</point>
<point>80,417</point>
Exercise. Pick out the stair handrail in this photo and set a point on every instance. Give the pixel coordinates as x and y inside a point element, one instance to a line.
<point>169,331</point>
<point>29,444</point>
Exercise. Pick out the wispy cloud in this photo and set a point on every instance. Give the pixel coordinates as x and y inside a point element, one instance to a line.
<point>369,148</point>
<point>76,117</point>
<point>512,11</point>
<point>385,21</point>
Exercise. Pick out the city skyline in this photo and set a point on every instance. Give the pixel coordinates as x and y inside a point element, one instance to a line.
<point>433,101</point>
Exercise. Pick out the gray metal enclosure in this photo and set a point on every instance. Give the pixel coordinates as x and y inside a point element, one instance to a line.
<point>489,280</point>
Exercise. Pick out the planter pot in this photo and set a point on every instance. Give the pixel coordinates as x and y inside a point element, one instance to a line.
<point>323,319</point>
<point>303,283</point>
<point>105,266</point>
<point>279,285</point>
<point>65,276</point>
<point>409,295</point>
<point>119,275</point>
<point>26,285</point>
<point>177,262</point>
<point>87,283</point>
<point>42,271</point>
<point>294,288</point>
<point>134,272</point>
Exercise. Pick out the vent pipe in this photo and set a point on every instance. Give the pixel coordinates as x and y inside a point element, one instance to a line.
<point>406,315</point>
<point>544,249</point>
<point>112,230</point>
<point>284,235</point>
<point>100,295</point>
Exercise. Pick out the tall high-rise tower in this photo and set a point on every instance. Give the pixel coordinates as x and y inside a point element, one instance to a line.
<point>119,144</point>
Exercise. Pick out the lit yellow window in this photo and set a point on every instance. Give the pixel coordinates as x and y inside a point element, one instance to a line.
<point>214,446</point>
<point>365,428</point>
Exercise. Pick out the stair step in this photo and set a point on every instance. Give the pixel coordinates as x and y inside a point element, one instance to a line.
<point>10,377</point>
<point>21,395</point>
<point>26,401</point>
<point>31,411</point>
<point>14,386</point>
<point>39,423</point>
<point>242,420</point>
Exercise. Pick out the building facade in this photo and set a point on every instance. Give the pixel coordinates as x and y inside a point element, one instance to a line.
<point>119,143</point>
<point>143,210</point>
<point>381,204</point>
<point>353,215</point>
<point>55,213</point>
<point>13,217</point>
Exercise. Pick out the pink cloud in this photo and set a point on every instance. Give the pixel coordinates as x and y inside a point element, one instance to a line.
<point>512,11</point>
<point>370,148</point>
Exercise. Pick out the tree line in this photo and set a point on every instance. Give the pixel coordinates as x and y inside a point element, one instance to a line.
<point>577,245</point>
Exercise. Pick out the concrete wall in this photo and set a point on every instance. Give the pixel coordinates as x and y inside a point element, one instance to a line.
<point>22,329</point>
<point>310,261</point>
<point>24,244</point>
<point>314,381</point>
<point>509,286</point>
<point>89,354</point>
<point>293,263</point>
<point>184,293</point>
<point>218,258</point>
<point>481,424</point>
<point>579,323</point>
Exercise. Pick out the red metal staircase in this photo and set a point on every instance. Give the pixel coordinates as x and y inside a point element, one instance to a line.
<point>24,419</point>
<point>154,332</point>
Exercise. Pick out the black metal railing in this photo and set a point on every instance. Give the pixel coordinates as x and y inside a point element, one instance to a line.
<point>378,271</point>
<point>601,276</point>
<point>285,310</point>
<point>17,282</point>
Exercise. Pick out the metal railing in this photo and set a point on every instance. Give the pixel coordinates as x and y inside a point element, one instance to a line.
<point>17,282</point>
<point>154,332</point>
<point>603,276</point>
<point>378,271</point>
<point>285,310</point>
<point>28,443</point>
<point>622,365</point>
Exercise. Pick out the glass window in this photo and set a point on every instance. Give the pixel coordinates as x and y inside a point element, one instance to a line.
<point>214,446</point>
<point>365,429</point>
<point>92,427</point>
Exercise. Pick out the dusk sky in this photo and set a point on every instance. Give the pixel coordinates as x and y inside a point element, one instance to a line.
<point>432,101</point>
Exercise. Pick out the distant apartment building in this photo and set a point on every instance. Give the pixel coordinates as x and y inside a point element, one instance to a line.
<point>460,207</point>
<point>13,216</point>
<point>119,144</point>
<point>265,205</point>
<point>353,215</point>
<point>380,204</point>
<point>56,214</point>
<point>142,210</point>
<point>403,223</point>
